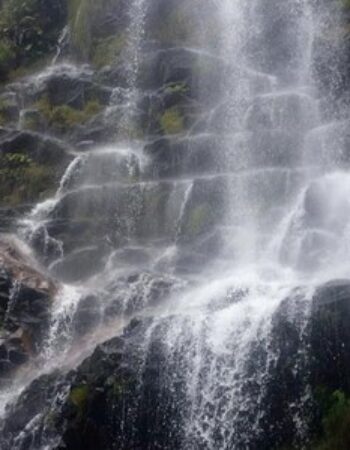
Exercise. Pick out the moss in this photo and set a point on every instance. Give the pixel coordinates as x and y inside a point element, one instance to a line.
<point>33,121</point>
<point>198,220</point>
<point>79,19</point>
<point>172,121</point>
<point>178,88</point>
<point>335,408</point>
<point>23,180</point>
<point>79,397</point>
<point>107,50</point>
<point>30,68</point>
<point>64,117</point>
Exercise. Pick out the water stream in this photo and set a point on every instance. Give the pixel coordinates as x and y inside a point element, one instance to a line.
<point>277,198</point>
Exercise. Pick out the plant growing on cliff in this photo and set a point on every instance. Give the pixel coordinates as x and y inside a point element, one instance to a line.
<point>66,117</point>
<point>335,421</point>
<point>28,30</point>
<point>22,179</point>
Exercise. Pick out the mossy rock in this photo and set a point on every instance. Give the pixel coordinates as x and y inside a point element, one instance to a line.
<point>30,166</point>
<point>198,220</point>
<point>23,180</point>
<point>64,117</point>
<point>107,51</point>
<point>31,119</point>
<point>172,121</point>
<point>91,21</point>
<point>28,30</point>
<point>79,397</point>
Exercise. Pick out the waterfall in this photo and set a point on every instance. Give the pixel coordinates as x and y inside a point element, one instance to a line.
<point>204,238</point>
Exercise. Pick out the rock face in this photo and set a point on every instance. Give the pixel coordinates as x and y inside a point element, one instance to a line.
<point>159,202</point>
<point>119,398</point>
<point>330,336</point>
<point>26,297</point>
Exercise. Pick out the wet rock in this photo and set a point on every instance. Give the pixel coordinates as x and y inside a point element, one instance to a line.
<point>74,91</point>
<point>87,315</point>
<point>330,336</point>
<point>40,148</point>
<point>99,403</point>
<point>135,292</point>
<point>32,119</point>
<point>80,265</point>
<point>9,107</point>
<point>26,296</point>
<point>8,217</point>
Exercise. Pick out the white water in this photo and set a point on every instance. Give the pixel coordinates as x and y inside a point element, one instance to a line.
<point>286,225</point>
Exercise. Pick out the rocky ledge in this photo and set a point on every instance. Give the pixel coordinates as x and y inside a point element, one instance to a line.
<point>26,295</point>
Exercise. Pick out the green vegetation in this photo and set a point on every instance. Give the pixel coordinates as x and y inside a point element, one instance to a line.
<point>172,121</point>
<point>22,180</point>
<point>335,421</point>
<point>65,117</point>
<point>105,51</point>
<point>198,220</point>
<point>28,30</point>
<point>178,88</point>
<point>345,3</point>
<point>91,41</point>
<point>79,15</point>
<point>79,396</point>
<point>32,120</point>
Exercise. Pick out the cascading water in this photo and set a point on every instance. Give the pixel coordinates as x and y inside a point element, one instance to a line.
<point>233,235</point>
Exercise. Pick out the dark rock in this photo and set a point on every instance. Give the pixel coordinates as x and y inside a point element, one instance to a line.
<point>40,148</point>
<point>80,264</point>
<point>32,119</point>
<point>9,107</point>
<point>26,296</point>
<point>74,91</point>
<point>87,316</point>
<point>330,336</point>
